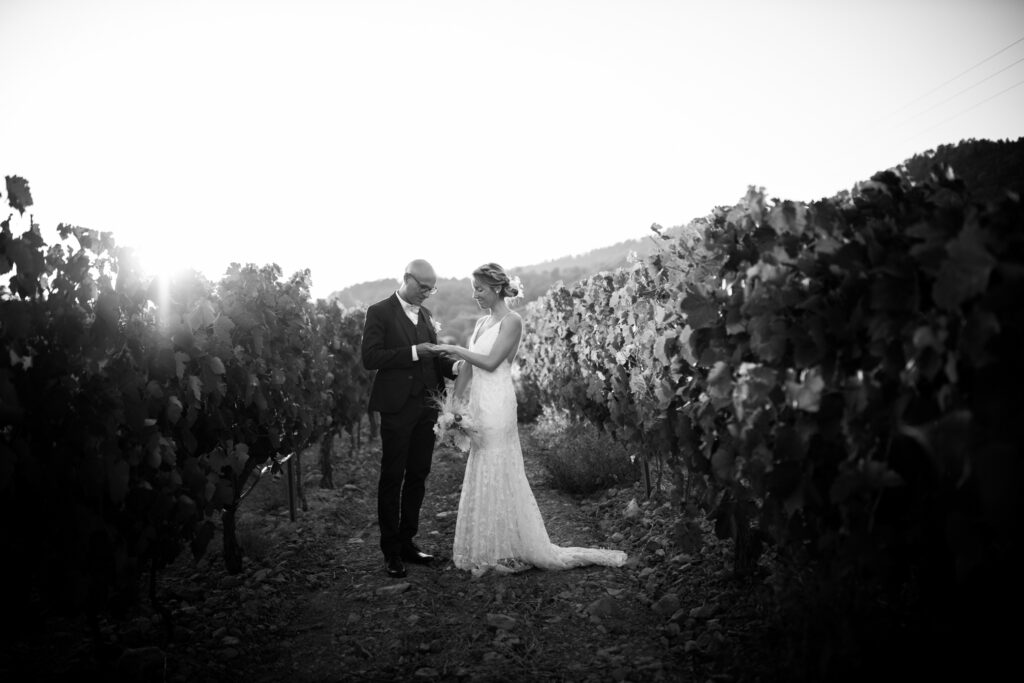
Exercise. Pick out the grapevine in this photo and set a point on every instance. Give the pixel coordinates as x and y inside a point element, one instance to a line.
<point>133,409</point>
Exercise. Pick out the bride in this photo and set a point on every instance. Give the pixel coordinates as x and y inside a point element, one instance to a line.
<point>499,526</point>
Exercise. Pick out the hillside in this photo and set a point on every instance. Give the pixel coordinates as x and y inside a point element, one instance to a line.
<point>537,277</point>
<point>452,306</point>
<point>594,261</point>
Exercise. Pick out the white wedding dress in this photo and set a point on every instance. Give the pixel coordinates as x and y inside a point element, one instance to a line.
<point>499,526</point>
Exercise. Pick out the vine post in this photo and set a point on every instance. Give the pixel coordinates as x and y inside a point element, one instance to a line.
<point>291,489</point>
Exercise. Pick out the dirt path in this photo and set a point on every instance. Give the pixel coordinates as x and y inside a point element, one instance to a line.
<point>441,624</point>
<point>313,603</point>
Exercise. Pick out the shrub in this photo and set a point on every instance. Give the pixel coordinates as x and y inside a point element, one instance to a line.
<point>579,458</point>
<point>528,407</point>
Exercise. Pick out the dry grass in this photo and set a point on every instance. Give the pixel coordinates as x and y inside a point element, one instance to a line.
<point>579,458</point>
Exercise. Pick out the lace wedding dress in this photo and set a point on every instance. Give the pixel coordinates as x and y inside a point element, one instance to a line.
<point>499,526</point>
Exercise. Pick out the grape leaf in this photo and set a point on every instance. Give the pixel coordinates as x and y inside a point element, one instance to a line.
<point>805,394</point>
<point>965,273</point>
<point>18,194</point>
<point>202,316</point>
<point>174,409</point>
<point>664,348</point>
<point>722,463</point>
<point>767,337</point>
<point>700,311</point>
<point>788,217</point>
<point>720,385</point>
<point>216,365</point>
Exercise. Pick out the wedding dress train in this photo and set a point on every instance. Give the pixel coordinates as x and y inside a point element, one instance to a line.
<point>499,526</point>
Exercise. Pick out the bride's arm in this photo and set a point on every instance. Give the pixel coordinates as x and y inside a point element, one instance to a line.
<point>509,331</point>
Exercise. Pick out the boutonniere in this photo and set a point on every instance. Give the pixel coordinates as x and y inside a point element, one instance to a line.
<point>437,326</point>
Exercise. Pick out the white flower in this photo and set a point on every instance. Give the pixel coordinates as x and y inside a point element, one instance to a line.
<point>453,426</point>
<point>437,326</point>
<point>518,284</point>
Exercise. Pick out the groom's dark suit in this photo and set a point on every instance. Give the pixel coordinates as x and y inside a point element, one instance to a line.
<point>401,392</point>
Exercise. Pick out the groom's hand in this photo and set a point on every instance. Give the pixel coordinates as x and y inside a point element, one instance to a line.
<point>427,350</point>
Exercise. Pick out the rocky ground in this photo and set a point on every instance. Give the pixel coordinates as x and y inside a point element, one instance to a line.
<point>314,604</point>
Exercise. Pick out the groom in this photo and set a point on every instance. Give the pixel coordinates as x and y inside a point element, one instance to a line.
<point>398,342</point>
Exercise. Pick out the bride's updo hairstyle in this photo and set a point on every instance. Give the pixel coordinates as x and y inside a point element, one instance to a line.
<point>493,275</point>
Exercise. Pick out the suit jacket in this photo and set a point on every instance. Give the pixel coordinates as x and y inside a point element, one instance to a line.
<point>387,337</point>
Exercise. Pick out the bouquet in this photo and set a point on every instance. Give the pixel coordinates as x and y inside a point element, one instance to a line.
<point>453,427</point>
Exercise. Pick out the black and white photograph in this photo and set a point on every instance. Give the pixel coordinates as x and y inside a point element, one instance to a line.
<point>493,341</point>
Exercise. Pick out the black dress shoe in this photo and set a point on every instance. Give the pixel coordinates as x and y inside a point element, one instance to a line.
<point>394,567</point>
<point>413,554</point>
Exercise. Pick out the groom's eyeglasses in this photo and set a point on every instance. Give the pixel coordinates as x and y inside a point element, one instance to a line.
<point>424,289</point>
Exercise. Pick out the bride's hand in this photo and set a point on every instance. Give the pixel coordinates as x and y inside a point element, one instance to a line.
<point>450,351</point>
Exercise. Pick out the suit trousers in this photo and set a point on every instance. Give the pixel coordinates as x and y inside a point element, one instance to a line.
<point>407,450</point>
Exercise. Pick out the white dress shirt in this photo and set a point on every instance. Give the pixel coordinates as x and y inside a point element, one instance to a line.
<point>412,311</point>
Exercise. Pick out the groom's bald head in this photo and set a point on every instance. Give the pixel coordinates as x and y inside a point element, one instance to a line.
<point>421,269</point>
<point>417,281</point>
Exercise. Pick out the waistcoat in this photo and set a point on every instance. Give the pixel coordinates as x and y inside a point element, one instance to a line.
<point>426,366</point>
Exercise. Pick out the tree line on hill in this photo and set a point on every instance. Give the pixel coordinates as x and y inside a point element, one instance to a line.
<point>452,305</point>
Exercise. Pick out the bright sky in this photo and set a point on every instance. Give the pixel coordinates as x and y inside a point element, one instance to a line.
<point>350,137</point>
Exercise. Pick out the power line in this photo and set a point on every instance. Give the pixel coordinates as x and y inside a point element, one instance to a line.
<point>872,127</point>
<point>955,95</point>
<point>965,71</point>
<point>974,106</point>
